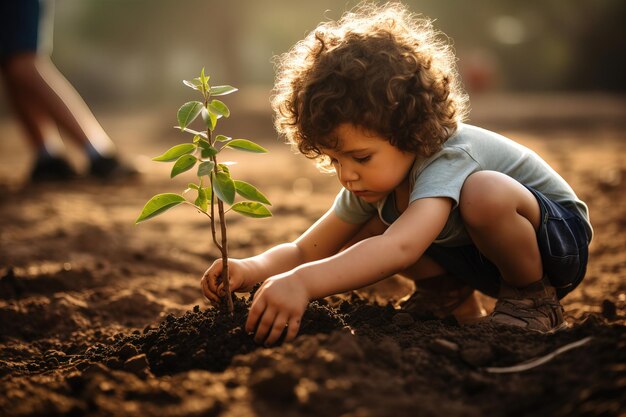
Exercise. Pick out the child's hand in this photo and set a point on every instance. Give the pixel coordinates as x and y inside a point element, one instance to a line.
<point>278,304</point>
<point>237,273</point>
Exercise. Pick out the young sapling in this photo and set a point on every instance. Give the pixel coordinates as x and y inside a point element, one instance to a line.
<point>203,151</point>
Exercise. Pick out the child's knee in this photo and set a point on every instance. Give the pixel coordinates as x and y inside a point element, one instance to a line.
<point>482,199</point>
<point>488,196</point>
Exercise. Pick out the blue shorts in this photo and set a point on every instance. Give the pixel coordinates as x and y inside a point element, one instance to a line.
<point>563,244</point>
<point>19,27</point>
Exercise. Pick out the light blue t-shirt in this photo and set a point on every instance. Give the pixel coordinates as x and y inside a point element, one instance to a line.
<point>470,149</point>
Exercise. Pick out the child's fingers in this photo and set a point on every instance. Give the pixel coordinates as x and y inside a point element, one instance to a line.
<point>211,276</point>
<point>292,329</point>
<point>256,310</point>
<point>257,314</point>
<point>265,325</point>
<point>206,290</point>
<point>278,327</point>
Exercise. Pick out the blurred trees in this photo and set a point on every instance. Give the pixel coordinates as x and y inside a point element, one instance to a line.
<point>137,51</point>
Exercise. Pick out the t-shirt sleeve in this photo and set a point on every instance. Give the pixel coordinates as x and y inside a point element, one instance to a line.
<point>444,175</point>
<point>352,209</point>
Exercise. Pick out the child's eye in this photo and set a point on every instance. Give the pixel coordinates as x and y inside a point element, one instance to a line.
<point>363,159</point>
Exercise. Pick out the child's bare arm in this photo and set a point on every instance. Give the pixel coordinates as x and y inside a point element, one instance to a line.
<point>378,257</point>
<point>282,299</point>
<point>322,239</point>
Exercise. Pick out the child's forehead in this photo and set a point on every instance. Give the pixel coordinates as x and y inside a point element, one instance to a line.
<point>348,138</point>
<point>347,134</point>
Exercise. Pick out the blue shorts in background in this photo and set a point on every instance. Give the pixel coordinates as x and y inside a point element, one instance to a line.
<point>19,27</point>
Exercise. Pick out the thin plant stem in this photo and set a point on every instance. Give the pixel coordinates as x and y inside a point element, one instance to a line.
<point>224,250</point>
<point>223,246</point>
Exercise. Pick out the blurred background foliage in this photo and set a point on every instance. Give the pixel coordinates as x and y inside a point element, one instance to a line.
<point>133,53</point>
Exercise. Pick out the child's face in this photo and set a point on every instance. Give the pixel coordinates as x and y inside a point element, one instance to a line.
<point>367,164</point>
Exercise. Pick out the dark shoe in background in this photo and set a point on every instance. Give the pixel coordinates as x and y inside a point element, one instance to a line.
<point>52,170</point>
<point>111,168</point>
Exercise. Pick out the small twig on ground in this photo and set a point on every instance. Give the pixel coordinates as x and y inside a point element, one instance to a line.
<point>524,366</point>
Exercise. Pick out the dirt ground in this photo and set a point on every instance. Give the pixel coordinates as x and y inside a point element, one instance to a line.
<point>100,317</point>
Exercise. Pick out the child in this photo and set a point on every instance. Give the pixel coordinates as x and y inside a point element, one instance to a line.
<point>452,206</point>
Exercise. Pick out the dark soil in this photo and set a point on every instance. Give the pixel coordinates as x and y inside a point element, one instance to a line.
<point>102,318</point>
<point>356,355</point>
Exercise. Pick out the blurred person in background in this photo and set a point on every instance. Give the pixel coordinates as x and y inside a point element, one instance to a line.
<point>45,101</point>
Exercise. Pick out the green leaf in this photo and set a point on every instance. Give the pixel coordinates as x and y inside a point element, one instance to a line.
<point>175,152</point>
<point>208,153</point>
<point>250,192</point>
<point>222,90</point>
<point>202,201</point>
<point>219,108</point>
<point>209,192</point>
<point>205,168</point>
<point>207,150</point>
<point>184,163</point>
<point>159,204</point>
<point>192,186</point>
<point>204,78</point>
<point>224,187</point>
<point>195,132</point>
<point>224,166</point>
<point>210,119</point>
<point>222,138</point>
<point>188,113</point>
<point>195,84</point>
<point>245,145</point>
<point>250,209</point>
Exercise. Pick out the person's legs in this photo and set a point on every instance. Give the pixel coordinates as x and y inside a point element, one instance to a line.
<point>40,128</point>
<point>19,40</point>
<point>41,131</point>
<point>45,101</point>
<point>36,77</point>
<point>502,218</point>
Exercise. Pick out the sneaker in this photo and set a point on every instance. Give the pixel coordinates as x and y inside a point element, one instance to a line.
<point>535,307</point>
<point>111,168</point>
<point>436,297</point>
<point>52,169</point>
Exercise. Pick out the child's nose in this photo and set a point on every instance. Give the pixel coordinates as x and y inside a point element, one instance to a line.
<point>346,174</point>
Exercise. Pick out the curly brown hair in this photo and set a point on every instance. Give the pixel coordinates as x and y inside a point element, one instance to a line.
<point>378,67</point>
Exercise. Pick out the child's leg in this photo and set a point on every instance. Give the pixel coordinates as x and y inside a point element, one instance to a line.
<point>502,217</point>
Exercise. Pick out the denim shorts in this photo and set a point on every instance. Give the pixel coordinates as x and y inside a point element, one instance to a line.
<point>563,244</point>
<point>19,27</point>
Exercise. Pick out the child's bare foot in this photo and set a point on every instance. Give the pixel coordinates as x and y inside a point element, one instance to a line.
<point>444,296</point>
<point>470,311</point>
